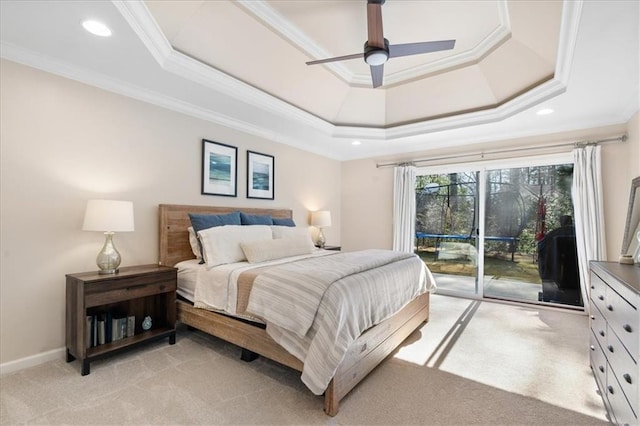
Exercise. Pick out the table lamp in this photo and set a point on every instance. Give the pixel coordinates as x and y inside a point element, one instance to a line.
<point>321,219</point>
<point>108,216</point>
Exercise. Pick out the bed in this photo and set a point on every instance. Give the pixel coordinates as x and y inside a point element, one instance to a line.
<point>363,354</point>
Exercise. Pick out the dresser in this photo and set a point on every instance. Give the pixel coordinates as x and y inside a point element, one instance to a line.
<point>615,342</point>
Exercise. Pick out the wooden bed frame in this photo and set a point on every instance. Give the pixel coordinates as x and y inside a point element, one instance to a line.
<point>369,350</point>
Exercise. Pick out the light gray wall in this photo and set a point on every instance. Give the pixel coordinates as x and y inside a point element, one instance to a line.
<point>63,143</point>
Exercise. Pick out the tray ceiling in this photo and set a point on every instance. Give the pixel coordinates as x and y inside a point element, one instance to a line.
<point>503,49</point>
<point>512,58</point>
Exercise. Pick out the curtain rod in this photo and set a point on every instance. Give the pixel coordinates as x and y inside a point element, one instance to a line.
<point>622,138</point>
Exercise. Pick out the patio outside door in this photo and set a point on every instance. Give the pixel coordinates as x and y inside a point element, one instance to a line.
<point>447,207</point>
<point>524,248</point>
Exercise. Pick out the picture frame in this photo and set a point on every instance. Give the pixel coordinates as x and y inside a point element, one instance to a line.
<point>219,169</point>
<point>260,175</point>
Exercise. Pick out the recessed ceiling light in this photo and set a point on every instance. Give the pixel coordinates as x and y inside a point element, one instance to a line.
<point>96,28</point>
<point>356,143</point>
<point>545,111</point>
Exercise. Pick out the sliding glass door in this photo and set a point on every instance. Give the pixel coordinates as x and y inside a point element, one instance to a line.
<point>500,232</point>
<point>446,228</point>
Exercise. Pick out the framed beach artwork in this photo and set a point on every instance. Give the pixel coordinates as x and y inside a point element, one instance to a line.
<point>260,171</point>
<point>219,169</point>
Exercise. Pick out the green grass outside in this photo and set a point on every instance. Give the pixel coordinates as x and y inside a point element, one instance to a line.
<point>496,264</point>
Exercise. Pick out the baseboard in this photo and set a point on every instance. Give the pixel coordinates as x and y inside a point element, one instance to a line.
<point>31,361</point>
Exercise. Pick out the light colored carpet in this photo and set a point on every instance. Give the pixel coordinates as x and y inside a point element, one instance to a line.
<point>473,363</point>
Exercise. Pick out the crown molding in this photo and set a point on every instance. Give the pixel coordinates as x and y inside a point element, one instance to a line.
<point>569,26</point>
<point>146,28</point>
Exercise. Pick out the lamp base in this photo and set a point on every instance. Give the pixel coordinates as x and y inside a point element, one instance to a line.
<point>108,259</point>
<point>320,241</point>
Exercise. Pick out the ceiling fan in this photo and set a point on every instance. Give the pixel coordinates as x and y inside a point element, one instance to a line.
<point>377,49</point>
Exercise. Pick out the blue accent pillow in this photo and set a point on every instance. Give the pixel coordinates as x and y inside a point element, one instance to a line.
<point>255,219</point>
<point>283,222</point>
<point>206,221</point>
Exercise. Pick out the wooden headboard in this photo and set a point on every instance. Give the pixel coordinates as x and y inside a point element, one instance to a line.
<point>174,222</point>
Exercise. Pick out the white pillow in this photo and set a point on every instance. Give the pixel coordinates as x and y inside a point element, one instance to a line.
<point>261,251</point>
<point>290,232</point>
<point>221,244</point>
<point>193,241</point>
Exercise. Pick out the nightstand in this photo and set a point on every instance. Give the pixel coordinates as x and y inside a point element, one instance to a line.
<point>334,248</point>
<point>107,312</point>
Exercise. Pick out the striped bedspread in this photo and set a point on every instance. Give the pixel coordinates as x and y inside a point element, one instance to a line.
<point>315,308</point>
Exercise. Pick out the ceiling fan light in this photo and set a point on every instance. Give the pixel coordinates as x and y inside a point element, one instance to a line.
<point>376,57</point>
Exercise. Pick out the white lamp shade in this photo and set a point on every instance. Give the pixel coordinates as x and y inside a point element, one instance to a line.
<point>321,219</point>
<point>108,216</point>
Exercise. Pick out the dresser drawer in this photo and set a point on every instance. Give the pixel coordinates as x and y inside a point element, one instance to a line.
<point>598,362</point>
<point>623,321</point>
<point>624,415</point>
<point>598,287</point>
<point>623,366</point>
<point>599,292</point>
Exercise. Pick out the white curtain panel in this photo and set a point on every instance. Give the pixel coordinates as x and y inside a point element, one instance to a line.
<point>404,208</point>
<point>588,210</point>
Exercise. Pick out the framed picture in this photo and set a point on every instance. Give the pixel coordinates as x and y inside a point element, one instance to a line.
<point>260,170</point>
<point>219,169</point>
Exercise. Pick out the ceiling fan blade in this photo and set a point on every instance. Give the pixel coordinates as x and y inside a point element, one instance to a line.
<point>396,50</point>
<point>337,58</point>
<point>374,24</point>
<point>377,72</point>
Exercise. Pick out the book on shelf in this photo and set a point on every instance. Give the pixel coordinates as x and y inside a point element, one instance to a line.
<point>101,329</point>
<point>131,325</point>
<point>122,323</point>
<point>107,327</point>
<point>116,329</point>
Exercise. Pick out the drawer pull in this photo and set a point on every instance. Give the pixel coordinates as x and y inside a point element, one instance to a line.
<point>592,348</point>
<point>601,297</point>
<point>610,348</point>
<point>610,389</point>
<point>601,368</point>
<point>627,378</point>
<point>592,317</point>
<point>609,307</point>
<point>593,287</point>
<point>602,333</point>
<point>627,328</point>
